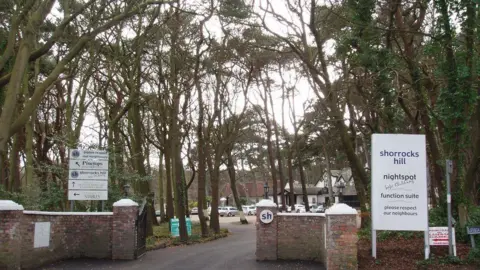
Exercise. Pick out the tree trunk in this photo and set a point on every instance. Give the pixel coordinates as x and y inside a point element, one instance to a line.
<point>168,172</point>
<point>201,168</point>
<point>13,179</point>
<point>233,185</point>
<point>279,159</point>
<point>161,195</point>
<point>329,175</point>
<point>302,180</point>
<point>214,172</point>
<point>290,179</point>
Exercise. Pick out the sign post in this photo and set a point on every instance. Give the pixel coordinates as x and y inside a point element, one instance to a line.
<point>449,166</point>
<point>472,231</point>
<point>399,185</point>
<point>88,175</point>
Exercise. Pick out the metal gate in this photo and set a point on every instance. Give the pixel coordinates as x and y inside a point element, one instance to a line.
<point>141,231</point>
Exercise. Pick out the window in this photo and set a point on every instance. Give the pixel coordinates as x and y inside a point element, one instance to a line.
<point>314,200</point>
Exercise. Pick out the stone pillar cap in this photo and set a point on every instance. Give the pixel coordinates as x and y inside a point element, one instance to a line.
<point>341,209</point>
<point>266,203</point>
<point>124,203</point>
<point>7,205</point>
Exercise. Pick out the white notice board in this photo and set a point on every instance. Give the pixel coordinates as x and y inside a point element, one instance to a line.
<point>41,236</point>
<point>399,182</point>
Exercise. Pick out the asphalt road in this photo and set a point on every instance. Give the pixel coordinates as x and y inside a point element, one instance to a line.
<point>236,251</point>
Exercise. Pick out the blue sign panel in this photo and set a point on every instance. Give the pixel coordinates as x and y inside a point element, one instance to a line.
<point>473,230</point>
<point>175,227</point>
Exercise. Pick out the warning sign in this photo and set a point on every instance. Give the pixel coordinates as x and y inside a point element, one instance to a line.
<point>439,236</point>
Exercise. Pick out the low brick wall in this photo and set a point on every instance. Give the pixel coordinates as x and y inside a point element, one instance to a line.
<point>329,238</point>
<point>67,235</point>
<point>301,237</point>
<point>72,235</point>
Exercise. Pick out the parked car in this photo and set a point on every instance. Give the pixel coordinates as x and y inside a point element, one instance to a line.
<point>249,210</point>
<point>317,209</point>
<point>194,211</point>
<point>299,208</point>
<point>227,211</point>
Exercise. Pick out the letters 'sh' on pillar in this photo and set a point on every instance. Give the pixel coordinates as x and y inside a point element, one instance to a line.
<point>266,225</point>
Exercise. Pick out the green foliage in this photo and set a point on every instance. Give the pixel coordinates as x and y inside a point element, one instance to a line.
<point>52,198</point>
<point>474,255</point>
<point>438,216</point>
<point>243,201</point>
<point>14,196</point>
<point>236,9</point>
<point>192,204</point>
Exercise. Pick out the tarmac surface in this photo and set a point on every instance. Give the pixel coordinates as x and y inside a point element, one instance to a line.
<point>237,251</point>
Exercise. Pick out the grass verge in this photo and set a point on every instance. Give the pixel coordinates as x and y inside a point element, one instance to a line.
<point>161,237</point>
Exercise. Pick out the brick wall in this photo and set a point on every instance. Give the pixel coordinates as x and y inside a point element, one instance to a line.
<point>123,226</point>
<point>266,236</point>
<point>71,236</point>
<point>10,241</point>
<point>301,237</point>
<point>342,242</point>
<point>330,238</point>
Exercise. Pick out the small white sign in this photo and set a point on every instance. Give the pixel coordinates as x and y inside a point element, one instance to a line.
<point>88,195</point>
<point>41,236</point>
<point>87,175</point>
<point>266,216</point>
<point>88,154</point>
<point>87,185</point>
<point>438,236</point>
<point>88,164</point>
<point>399,182</point>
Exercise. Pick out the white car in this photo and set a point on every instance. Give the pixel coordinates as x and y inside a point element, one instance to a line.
<point>299,208</point>
<point>227,211</point>
<point>249,210</point>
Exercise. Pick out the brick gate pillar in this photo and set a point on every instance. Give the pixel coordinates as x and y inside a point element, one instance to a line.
<point>125,213</point>
<point>11,215</point>
<point>341,237</point>
<point>266,232</point>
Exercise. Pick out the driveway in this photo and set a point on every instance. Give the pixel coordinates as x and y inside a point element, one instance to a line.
<point>236,251</point>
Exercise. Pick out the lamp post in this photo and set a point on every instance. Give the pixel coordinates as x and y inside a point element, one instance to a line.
<point>265,190</point>
<point>340,186</point>
<point>126,189</point>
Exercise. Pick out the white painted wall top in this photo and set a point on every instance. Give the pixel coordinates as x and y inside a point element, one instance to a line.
<point>7,205</point>
<point>341,209</point>
<point>68,213</point>
<point>125,202</point>
<point>302,214</point>
<point>266,203</point>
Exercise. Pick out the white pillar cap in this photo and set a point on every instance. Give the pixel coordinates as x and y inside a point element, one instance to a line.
<point>341,209</point>
<point>7,205</point>
<point>124,203</point>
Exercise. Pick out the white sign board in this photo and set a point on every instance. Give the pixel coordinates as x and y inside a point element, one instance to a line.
<point>88,154</point>
<point>87,185</point>
<point>87,164</point>
<point>438,236</point>
<point>88,195</point>
<point>399,182</point>
<point>41,237</point>
<point>88,175</point>
<point>266,216</point>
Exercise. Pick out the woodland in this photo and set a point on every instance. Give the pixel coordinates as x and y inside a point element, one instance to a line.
<point>185,91</point>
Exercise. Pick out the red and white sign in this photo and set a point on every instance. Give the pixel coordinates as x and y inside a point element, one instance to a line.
<point>438,236</point>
